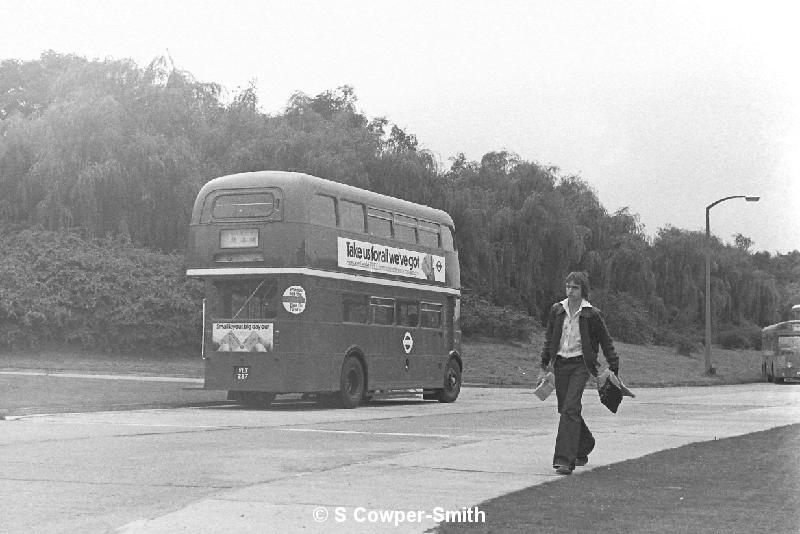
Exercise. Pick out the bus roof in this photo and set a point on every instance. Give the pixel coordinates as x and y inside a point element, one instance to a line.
<point>293,181</point>
<point>789,327</point>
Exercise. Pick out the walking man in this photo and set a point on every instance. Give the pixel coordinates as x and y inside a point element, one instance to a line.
<point>575,331</point>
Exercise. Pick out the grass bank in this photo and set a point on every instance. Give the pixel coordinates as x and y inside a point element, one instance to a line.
<point>486,362</point>
<point>516,364</point>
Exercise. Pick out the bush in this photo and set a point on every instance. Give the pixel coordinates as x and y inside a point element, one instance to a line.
<point>741,337</point>
<point>685,346</point>
<point>481,318</point>
<point>626,316</point>
<point>100,294</point>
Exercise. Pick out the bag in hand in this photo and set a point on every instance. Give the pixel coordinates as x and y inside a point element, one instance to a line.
<point>610,395</point>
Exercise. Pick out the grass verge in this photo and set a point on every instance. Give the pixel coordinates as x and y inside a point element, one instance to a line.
<point>486,361</point>
<point>743,484</point>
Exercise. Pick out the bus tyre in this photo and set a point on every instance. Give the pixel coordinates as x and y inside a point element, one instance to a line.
<point>352,385</point>
<point>452,382</point>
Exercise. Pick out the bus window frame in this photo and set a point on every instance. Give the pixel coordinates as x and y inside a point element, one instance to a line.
<point>207,210</point>
<point>359,207</point>
<point>380,214</point>
<point>313,211</point>
<point>382,302</point>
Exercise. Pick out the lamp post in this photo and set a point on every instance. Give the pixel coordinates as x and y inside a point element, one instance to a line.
<point>710,371</point>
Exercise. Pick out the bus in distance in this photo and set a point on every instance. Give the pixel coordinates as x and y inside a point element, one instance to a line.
<point>780,348</point>
<point>321,288</point>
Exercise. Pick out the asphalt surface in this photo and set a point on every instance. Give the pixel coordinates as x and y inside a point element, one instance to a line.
<point>400,465</point>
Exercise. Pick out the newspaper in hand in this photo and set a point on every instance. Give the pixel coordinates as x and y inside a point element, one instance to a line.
<point>546,386</point>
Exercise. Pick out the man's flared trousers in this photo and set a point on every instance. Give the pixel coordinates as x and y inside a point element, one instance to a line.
<point>574,439</point>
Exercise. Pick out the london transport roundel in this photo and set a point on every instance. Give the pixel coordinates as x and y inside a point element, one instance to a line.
<point>294,299</point>
<point>408,342</point>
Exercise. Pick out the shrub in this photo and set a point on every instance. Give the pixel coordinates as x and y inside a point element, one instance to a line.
<point>685,346</point>
<point>100,294</point>
<point>481,318</point>
<point>741,337</point>
<point>626,316</point>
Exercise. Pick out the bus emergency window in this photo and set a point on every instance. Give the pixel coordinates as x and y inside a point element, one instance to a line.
<point>407,313</point>
<point>379,222</point>
<point>354,308</point>
<point>243,206</point>
<point>405,228</point>
<point>382,310</point>
<point>323,211</point>
<point>430,315</point>
<point>447,238</point>
<point>351,216</point>
<point>428,234</point>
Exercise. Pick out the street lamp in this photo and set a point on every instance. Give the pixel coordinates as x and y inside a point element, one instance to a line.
<point>710,371</point>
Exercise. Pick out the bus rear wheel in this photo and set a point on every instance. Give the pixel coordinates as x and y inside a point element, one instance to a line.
<point>352,384</point>
<point>452,382</point>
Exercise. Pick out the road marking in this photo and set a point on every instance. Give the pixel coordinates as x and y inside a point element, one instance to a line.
<point>139,378</point>
<point>396,434</point>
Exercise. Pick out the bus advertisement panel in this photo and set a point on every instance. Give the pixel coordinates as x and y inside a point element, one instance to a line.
<point>367,256</point>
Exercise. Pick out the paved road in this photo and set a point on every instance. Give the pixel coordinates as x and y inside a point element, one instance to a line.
<point>223,468</point>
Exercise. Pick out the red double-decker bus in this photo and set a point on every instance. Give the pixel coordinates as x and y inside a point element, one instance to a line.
<point>780,346</point>
<point>317,287</point>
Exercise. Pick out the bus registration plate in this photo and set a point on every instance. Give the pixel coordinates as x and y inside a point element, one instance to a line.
<point>241,372</point>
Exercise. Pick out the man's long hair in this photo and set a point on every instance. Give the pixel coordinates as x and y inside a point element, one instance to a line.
<point>582,279</point>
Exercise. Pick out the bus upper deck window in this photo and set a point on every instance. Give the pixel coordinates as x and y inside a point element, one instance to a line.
<point>379,222</point>
<point>351,216</point>
<point>323,210</point>
<point>244,205</point>
<point>405,228</point>
<point>429,234</point>
<point>447,238</point>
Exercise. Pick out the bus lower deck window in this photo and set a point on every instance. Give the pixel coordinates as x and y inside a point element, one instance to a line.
<point>246,300</point>
<point>430,315</point>
<point>407,313</point>
<point>382,310</point>
<point>354,308</point>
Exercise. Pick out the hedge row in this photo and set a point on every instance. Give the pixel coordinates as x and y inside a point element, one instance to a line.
<point>100,295</point>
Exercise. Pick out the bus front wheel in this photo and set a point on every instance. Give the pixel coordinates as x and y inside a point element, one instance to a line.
<point>351,390</point>
<point>452,382</point>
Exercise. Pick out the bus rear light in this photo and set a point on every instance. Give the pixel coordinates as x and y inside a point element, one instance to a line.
<point>238,238</point>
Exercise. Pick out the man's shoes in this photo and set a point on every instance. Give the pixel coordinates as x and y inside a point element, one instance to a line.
<point>563,469</point>
<point>580,462</point>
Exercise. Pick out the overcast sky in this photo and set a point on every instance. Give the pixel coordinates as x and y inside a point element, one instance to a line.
<point>661,106</point>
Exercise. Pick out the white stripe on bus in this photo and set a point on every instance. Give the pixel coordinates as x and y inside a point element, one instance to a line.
<point>234,271</point>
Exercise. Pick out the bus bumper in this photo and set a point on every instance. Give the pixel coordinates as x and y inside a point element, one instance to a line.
<point>284,373</point>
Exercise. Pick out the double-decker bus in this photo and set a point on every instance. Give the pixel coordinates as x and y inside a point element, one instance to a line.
<point>322,288</point>
<point>780,345</point>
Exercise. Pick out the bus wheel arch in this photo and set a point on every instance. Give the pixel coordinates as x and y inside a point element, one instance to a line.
<point>353,380</point>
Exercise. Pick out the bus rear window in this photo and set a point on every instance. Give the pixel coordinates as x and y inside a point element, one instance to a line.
<point>243,206</point>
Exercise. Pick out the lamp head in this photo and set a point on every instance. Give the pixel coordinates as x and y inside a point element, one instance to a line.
<point>752,199</point>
